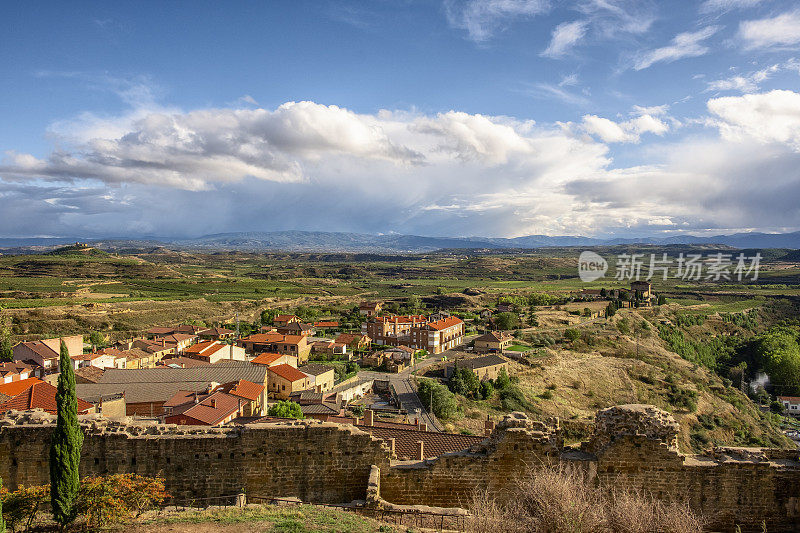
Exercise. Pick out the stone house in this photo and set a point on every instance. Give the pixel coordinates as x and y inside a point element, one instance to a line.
<point>493,341</point>
<point>320,377</point>
<point>215,351</point>
<point>217,334</point>
<point>284,380</point>
<point>791,404</point>
<point>284,320</point>
<point>485,367</point>
<point>10,372</point>
<point>45,353</point>
<point>370,309</point>
<point>275,359</point>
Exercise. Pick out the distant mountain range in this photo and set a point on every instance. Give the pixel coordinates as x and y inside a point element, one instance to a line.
<point>318,241</point>
<point>321,241</point>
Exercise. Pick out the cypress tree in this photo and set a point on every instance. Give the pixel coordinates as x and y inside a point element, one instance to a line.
<point>2,520</point>
<point>65,445</point>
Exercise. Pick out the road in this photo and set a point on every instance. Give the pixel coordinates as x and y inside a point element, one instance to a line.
<point>407,394</point>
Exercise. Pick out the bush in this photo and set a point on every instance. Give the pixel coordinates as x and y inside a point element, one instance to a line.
<point>572,334</point>
<point>22,506</point>
<point>114,499</point>
<point>566,500</point>
<point>286,409</point>
<point>433,392</point>
<point>103,501</point>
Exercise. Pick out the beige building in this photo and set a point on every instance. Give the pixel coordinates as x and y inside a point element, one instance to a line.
<point>46,352</point>
<point>283,380</point>
<point>320,377</point>
<point>485,367</point>
<point>494,341</point>
<point>416,331</point>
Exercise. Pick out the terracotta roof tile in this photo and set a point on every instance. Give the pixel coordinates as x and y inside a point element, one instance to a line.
<point>287,372</point>
<point>39,395</point>
<point>266,358</point>
<point>244,389</point>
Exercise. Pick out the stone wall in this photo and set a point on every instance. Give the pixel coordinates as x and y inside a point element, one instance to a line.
<point>633,447</point>
<point>327,463</point>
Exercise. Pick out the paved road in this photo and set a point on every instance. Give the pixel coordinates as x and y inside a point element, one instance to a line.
<point>406,394</point>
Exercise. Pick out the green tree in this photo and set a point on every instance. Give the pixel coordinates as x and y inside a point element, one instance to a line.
<point>65,445</point>
<point>268,316</point>
<point>2,520</point>
<point>286,409</point>
<point>503,381</point>
<point>414,302</point>
<point>443,401</point>
<point>778,352</point>
<point>6,347</point>
<point>572,334</point>
<point>97,339</point>
<point>506,320</point>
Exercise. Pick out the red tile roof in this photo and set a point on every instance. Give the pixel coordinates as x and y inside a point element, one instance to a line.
<point>262,338</point>
<point>244,389</point>
<point>39,395</point>
<point>284,318</point>
<point>14,368</point>
<point>445,323</point>
<point>326,324</point>
<point>287,372</point>
<point>214,408</point>
<point>349,338</point>
<point>16,387</point>
<point>266,358</point>
<point>42,349</point>
<point>204,349</point>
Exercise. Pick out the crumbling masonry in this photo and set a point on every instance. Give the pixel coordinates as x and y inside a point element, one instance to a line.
<point>634,446</point>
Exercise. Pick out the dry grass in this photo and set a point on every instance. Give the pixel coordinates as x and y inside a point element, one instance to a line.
<point>565,500</point>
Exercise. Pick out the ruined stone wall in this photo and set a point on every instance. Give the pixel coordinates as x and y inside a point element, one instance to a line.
<point>326,463</point>
<point>633,448</point>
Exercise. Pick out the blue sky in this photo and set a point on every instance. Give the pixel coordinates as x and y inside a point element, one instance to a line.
<point>493,118</point>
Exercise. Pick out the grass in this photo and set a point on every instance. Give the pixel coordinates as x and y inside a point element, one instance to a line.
<point>518,348</point>
<point>300,518</point>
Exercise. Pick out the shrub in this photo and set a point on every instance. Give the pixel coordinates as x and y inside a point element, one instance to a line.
<point>286,409</point>
<point>22,506</point>
<point>567,500</point>
<point>443,401</point>
<point>115,499</point>
<point>572,334</point>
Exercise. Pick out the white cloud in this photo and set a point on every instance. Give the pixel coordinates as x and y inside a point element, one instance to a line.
<point>629,131</point>
<point>713,6</point>
<point>683,45</point>
<point>482,18</point>
<point>565,36</point>
<point>549,91</point>
<point>747,83</point>
<point>309,166</point>
<point>780,31</point>
<point>655,110</point>
<point>772,117</point>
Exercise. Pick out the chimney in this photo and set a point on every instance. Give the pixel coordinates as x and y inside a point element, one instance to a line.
<point>423,427</point>
<point>163,342</point>
<point>213,403</point>
<point>368,417</point>
<point>416,422</point>
<point>195,396</point>
<point>420,450</point>
<point>488,426</point>
<point>391,445</point>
